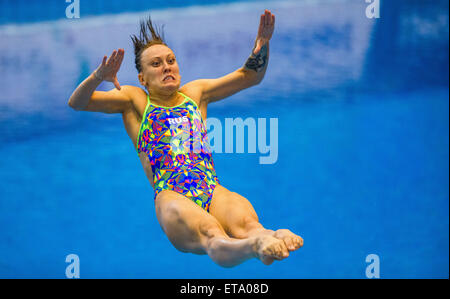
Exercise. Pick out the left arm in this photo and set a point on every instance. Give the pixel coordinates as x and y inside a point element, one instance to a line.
<point>250,74</point>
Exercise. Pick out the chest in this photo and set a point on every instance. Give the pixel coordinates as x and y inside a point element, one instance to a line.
<point>170,122</point>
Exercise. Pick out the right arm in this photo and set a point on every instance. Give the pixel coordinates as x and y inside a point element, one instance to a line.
<point>86,98</point>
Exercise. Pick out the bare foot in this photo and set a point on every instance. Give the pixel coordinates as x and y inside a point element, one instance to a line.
<point>269,249</point>
<point>292,241</point>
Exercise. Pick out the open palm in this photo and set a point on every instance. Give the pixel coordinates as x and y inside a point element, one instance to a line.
<point>108,69</point>
<point>265,31</point>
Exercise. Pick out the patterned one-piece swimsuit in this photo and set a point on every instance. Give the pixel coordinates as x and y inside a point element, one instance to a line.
<point>176,143</point>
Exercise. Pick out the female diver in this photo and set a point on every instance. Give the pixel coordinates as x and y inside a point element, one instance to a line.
<point>165,123</point>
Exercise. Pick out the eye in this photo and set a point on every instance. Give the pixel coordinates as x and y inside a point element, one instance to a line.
<point>155,63</point>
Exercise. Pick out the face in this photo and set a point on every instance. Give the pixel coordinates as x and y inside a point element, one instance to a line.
<point>160,72</point>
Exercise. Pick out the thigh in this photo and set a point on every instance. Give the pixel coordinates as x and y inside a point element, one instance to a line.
<point>233,211</point>
<point>187,225</point>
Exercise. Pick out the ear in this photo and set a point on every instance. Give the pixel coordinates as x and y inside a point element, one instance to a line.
<point>141,79</point>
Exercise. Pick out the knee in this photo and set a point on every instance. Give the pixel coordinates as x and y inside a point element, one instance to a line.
<point>172,210</point>
<point>176,228</point>
<point>212,235</point>
<point>215,252</point>
<point>250,222</point>
<point>167,208</point>
<point>209,228</point>
<point>169,214</point>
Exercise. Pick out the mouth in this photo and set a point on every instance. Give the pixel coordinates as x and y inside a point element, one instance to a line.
<point>169,78</point>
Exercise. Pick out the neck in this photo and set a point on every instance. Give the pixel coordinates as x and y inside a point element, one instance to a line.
<point>164,99</point>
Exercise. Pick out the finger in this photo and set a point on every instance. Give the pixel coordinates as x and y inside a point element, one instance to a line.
<point>104,60</point>
<point>273,20</point>
<point>113,54</point>
<point>116,83</point>
<point>108,62</point>
<point>118,59</point>
<point>267,17</point>
<point>110,59</point>
<point>261,25</point>
<point>116,56</point>
<point>122,54</point>
<point>118,63</point>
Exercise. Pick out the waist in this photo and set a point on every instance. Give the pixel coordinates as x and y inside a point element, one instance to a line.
<point>182,172</point>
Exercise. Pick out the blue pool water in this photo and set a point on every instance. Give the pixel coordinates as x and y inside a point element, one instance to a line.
<point>363,141</point>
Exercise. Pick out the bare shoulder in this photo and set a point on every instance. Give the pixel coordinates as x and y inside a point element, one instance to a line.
<point>193,90</point>
<point>137,96</point>
<point>133,92</point>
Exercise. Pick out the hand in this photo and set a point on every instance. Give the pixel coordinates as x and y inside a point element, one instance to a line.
<point>265,31</point>
<point>107,71</point>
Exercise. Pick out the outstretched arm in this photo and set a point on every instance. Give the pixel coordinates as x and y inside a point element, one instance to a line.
<point>250,74</point>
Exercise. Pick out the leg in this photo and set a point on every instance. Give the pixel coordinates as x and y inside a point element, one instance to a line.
<point>239,219</point>
<point>235,213</point>
<point>191,229</point>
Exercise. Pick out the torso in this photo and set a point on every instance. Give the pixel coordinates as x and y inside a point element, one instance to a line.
<point>132,118</point>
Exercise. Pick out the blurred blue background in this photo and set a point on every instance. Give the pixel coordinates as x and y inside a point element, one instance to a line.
<point>362,106</point>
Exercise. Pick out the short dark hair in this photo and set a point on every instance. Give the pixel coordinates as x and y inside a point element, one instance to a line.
<point>148,36</point>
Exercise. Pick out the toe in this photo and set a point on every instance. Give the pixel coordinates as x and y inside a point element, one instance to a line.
<point>290,244</point>
<point>284,251</point>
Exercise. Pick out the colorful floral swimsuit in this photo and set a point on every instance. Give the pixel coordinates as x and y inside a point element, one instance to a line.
<point>176,143</point>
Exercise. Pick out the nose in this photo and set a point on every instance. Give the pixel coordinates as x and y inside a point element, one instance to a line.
<point>167,68</point>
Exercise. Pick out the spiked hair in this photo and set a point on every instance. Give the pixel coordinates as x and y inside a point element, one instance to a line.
<point>149,35</point>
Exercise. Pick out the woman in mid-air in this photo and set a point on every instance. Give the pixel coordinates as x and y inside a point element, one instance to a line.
<point>167,125</point>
